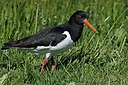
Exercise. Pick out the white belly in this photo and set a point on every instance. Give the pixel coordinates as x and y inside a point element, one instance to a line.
<point>60,47</point>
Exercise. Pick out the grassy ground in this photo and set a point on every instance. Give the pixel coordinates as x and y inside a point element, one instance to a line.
<point>96,59</point>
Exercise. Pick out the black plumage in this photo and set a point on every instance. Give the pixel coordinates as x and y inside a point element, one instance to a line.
<point>52,35</point>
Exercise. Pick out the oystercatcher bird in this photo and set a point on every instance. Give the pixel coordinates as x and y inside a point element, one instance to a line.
<point>53,40</point>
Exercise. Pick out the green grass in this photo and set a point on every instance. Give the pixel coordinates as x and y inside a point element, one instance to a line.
<point>96,59</point>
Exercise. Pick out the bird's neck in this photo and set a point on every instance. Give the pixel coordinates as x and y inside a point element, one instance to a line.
<point>75,31</point>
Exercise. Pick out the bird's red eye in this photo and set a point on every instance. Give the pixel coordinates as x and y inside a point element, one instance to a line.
<point>80,16</point>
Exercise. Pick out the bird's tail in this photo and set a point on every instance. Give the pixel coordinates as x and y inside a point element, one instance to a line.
<point>8,45</point>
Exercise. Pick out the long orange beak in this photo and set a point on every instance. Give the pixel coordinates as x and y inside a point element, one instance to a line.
<point>89,25</point>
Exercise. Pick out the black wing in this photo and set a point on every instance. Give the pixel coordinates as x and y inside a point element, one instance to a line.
<point>46,37</point>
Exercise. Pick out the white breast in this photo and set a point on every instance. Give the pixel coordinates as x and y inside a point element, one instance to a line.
<point>65,44</point>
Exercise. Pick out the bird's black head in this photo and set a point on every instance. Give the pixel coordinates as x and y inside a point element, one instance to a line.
<point>80,18</point>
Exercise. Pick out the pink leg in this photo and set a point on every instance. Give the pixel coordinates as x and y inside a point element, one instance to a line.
<point>53,64</point>
<point>53,67</point>
<point>43,64</point>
